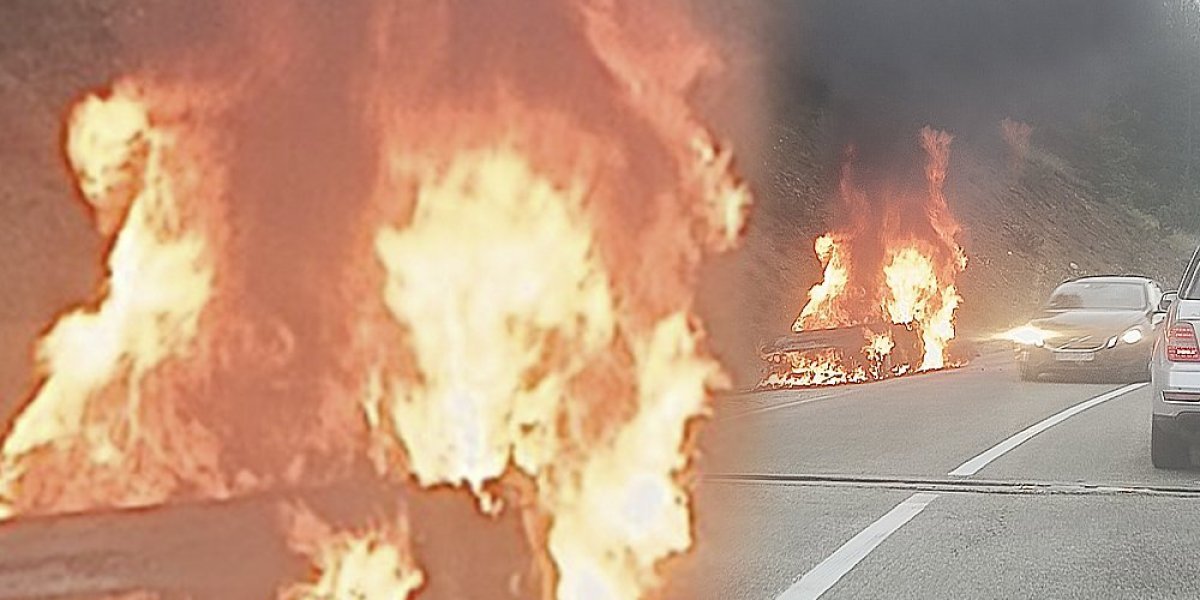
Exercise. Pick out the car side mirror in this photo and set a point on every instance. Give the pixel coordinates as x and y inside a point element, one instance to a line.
<point>1167,300</point>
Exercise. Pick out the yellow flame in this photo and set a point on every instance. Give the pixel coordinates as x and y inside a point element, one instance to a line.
<point>917,296</point>
<point>76,439</point>
<point>879,346</point>
<point>821,308</point>
<point>513,324</point>
<point>805,369</point>
<point>490,294</point>
<point>373,564</point>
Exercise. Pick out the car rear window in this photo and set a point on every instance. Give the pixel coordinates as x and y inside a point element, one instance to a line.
<point>1098,296</point>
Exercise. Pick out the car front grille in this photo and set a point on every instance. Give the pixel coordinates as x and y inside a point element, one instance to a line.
<point>1082,343</point>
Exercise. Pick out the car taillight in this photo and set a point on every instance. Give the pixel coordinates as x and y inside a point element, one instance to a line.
<point>1181,344</point>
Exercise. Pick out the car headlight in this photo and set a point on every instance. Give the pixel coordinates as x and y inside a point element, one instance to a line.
<point>1027,336</point>
<point>1132,336</point>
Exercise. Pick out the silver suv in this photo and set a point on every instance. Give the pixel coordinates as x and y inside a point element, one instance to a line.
<point>1175,375</point>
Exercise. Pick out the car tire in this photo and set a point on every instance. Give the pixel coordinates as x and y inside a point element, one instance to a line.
<point>1167,450</point>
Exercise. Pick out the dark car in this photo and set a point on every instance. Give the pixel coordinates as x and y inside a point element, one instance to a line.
<point>1097,325</point>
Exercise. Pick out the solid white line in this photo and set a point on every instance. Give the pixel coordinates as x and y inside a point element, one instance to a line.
<point>825,575</point>
<point>973,466</point>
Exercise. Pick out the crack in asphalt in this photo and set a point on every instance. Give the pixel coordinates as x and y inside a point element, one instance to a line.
<point>956,485</point>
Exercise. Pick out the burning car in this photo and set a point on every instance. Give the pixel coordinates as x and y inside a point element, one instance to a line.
<point>1092,324</point>
<point>885,304</point>
<point>841,355</point>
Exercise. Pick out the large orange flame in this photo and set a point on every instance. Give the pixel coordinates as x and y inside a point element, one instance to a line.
<point>97,432</point>
<point>538,347</point>
<point>518,316</point>
<point>547,343</point>
<point>885,268</point>
<point>375,563</point>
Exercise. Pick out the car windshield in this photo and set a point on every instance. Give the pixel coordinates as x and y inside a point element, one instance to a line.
<point>1097,296</point>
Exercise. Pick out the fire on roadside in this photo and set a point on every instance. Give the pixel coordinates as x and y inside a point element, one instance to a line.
<point>518,308</point>
<point>890,272</point>
<point>375,563</point>
<point>546,344</point>
<point>96,432</point>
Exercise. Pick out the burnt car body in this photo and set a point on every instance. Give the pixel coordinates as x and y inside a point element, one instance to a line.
<point>846,347</point>
<point>1101,326</point>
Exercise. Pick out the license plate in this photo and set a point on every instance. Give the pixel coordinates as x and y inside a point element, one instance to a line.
<point>1075,356</point>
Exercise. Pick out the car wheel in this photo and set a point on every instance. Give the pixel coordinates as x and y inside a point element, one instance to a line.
<point>1167,450</point>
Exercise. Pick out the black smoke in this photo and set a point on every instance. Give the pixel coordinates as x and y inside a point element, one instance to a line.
<point>878,70</point>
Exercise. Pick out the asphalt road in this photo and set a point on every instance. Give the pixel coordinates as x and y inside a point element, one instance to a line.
<point>834,493</point>
<point>1076,511</point>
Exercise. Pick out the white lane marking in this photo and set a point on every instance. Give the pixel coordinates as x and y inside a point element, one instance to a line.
<point>973,466</point>
<point>825,575</point>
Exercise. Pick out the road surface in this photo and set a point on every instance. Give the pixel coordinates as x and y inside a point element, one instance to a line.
<point>926,487</point>
<point>961,484</point>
